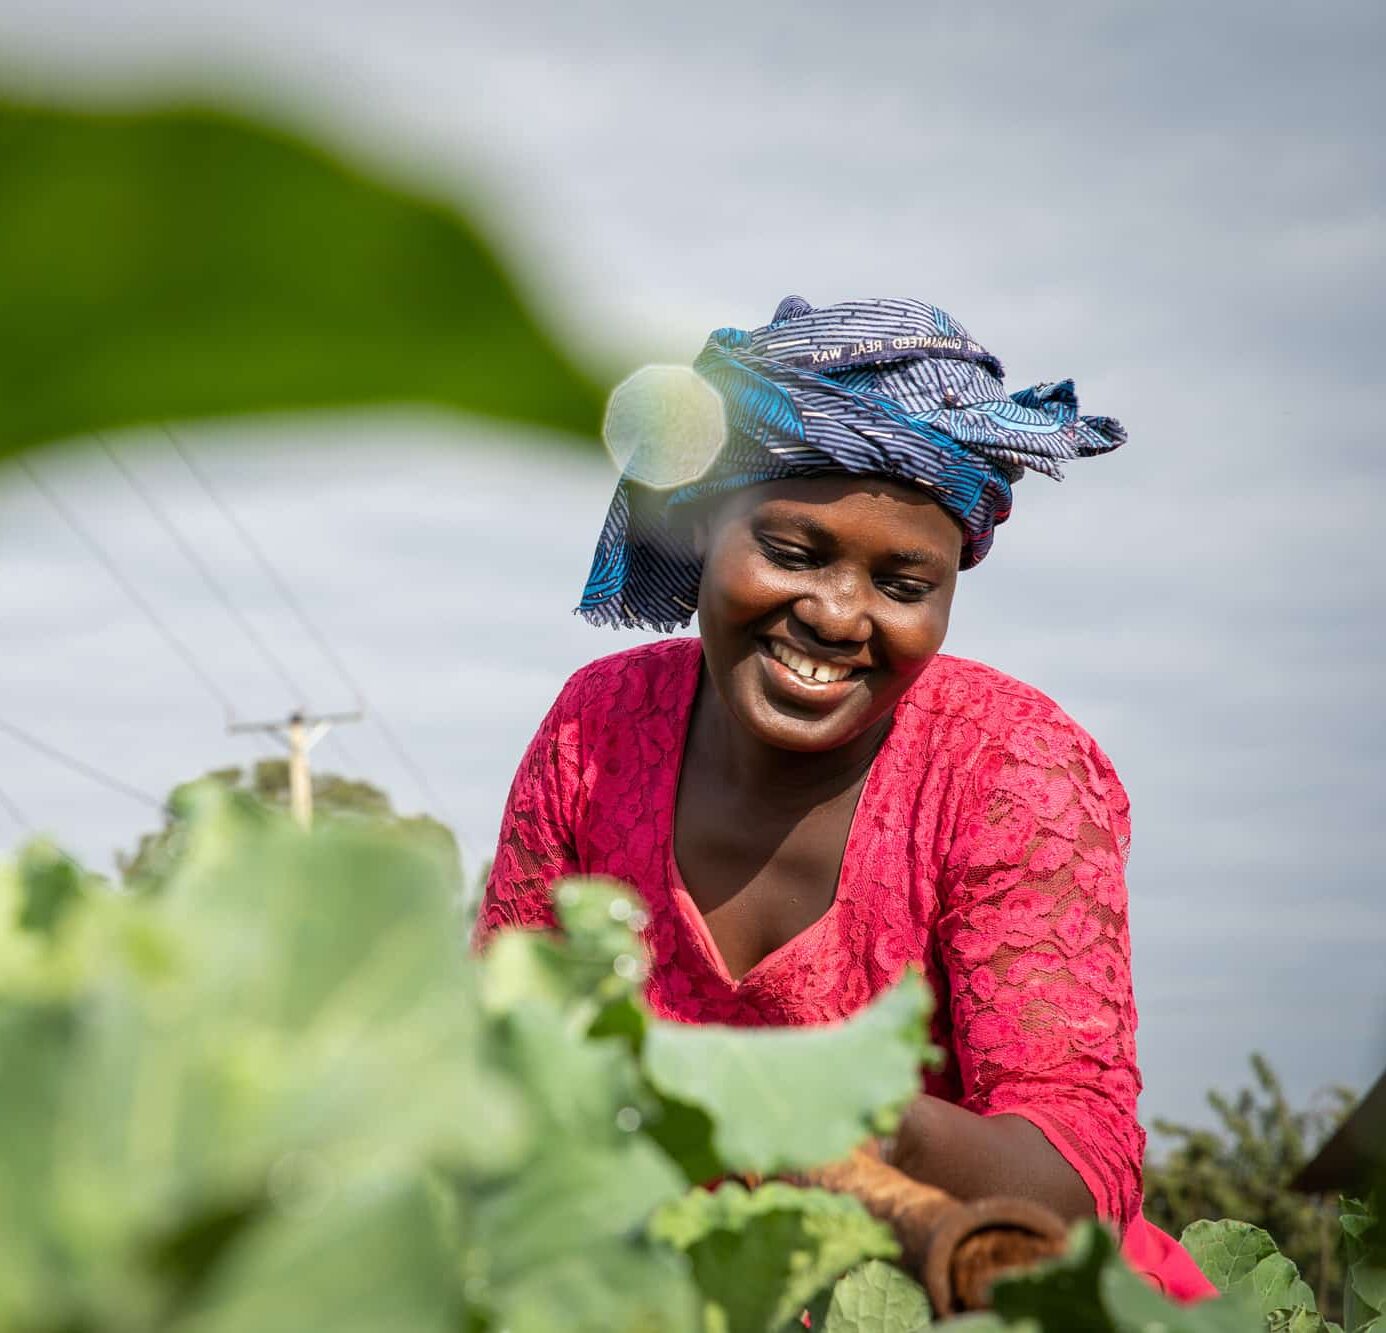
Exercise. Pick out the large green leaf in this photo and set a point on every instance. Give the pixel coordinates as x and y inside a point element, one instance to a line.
<point>185,263</point>
<point>369,1260</point>
<point>877,1297</point>
<point>1364,1238</point>
<point>760,1257</point>
<point>1242,1260</point>
<point>36,1043</point>
<point>1091,1290</point>
<point>290,1017</point>
<point>596,964</point>
<point>1227,1251</point>
<point>610,1288</point>
<point>788,1098</point>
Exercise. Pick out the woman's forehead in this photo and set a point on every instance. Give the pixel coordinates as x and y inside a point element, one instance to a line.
<point>870,511</point>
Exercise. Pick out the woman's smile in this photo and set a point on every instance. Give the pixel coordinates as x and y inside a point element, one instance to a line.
<point>805,680</point>
<point>821,601</point>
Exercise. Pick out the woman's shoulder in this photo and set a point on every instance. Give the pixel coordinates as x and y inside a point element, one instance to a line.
<point>966,692</point>
<point>633,679</point>
<point>1010,736</point>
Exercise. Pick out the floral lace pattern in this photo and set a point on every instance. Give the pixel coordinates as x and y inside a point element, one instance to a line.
<point>988,847</point>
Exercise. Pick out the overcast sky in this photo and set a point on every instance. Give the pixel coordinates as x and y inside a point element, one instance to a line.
<point>1180,205</point>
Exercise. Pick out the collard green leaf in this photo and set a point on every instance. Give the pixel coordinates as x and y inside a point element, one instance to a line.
<point>1275,1284</point>
<point>1242,1261</point>
<point>760,1257</point>
<point>315,1006</point>
<point>1299,1320</point>
<point>570,1197</point>
<point>1364,1239</point>
<point>788,1098</point>
<point>1227,1251</point>
<point>989,1322</point>
<point>52,885</point>
<point>876,1297</point>
<point>1091,1290</point>
<point>596,965</point>
<point>358,1262</point>
<point>612,1288</point>
<point>36,1043</point>
<point>182,263</point>
<point>685,1134</point>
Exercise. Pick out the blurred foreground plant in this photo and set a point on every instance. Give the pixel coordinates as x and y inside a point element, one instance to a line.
<point>177,264</point>
<point>276,1094</point>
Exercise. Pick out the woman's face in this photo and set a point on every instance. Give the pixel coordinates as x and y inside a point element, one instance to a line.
<point>822,600</point>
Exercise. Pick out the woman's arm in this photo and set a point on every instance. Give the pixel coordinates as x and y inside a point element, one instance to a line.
<point>1032,939</point>
<point>974,1156</point>
<point>537,844</point>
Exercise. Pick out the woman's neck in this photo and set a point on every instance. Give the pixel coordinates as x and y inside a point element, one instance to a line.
<point>768,774</point>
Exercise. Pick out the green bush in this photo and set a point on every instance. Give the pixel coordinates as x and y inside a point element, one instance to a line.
<point>276,1093</point>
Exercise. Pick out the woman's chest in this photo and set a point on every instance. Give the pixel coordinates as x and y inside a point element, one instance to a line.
<point>759,874</point>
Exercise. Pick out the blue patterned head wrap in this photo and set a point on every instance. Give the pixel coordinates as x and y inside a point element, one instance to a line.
<point>893,389</point>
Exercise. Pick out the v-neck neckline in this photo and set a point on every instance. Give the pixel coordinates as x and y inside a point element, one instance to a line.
<point>682,900</point>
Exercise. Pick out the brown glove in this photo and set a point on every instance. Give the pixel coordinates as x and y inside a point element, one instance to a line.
<point>955,1249</point>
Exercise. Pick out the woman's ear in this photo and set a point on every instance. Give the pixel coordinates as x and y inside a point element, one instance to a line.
<point>698,534</point>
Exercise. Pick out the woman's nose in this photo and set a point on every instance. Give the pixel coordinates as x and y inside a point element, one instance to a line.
<point>835,610</point>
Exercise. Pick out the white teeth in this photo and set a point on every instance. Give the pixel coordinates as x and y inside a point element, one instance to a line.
<point>806,666</point>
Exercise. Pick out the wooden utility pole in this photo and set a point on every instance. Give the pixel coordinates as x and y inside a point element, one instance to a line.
<point>299,732</point>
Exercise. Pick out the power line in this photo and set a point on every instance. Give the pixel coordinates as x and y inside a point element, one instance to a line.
<point>99,553</point>
<point>214,584</point>
<point>79,766</point>
<point>15,812</point>
<point>307,624</point>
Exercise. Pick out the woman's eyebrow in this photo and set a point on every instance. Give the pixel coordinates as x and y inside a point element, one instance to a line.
<point>928,559</point>
<point>807,527</point>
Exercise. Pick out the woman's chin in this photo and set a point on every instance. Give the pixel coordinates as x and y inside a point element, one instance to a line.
<point>787,724</point>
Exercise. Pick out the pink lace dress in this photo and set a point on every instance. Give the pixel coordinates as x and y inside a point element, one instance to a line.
<point>988,846</point>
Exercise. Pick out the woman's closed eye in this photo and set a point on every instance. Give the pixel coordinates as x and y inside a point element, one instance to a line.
<point>787,556</point>
<point>906,590</point>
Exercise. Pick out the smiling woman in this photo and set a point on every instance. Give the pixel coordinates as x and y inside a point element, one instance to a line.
<point>812,798</point>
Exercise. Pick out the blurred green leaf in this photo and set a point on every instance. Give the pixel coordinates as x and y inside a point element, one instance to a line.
<point>595,962</point>
<point>369,1259</point>
<point>570,1198</point>
<point>1091,1290</point>
<point>760,1257</point>
<point>605,1289</point>
<point>175,264</point>
<point>788,1098</point>
<point>1364,1243</point>
<point>52,884</point>
<point>877,1297</point>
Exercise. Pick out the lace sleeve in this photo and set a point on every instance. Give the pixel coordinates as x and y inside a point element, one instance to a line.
<point>1033,938</point>
<point>536,845</point>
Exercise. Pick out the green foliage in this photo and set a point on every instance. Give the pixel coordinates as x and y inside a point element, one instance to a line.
<point>877,1297</point>
<point>1364,1244</point>
<point>875,1062</point>
<point>760,1257</point>
<point>1241,1261</point>
<point>334,797</point>
<point>275,1093</point>
<point>1243,1170</point>
<point>1091,1291</point>
<point>181,263</point>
